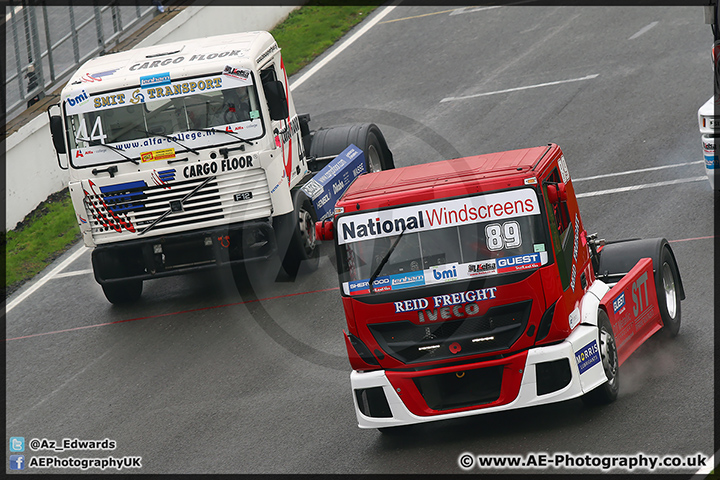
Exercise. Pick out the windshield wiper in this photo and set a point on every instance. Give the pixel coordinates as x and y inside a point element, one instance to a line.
<point>215,130</point>
<point>384,261</point>
<point>116,149</point>
<point>170,138</point>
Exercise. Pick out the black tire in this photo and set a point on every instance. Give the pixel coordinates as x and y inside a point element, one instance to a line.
<point>367,136</point>
<point>608,391</point>
<point>667,282</point>
<point>123,293</point>
<point>302,247</point>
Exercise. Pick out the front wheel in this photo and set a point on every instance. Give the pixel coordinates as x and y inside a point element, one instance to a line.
<point>302,246</point>
<point>608,391</point>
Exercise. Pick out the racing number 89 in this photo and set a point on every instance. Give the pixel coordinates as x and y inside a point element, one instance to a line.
<point>502,236</point>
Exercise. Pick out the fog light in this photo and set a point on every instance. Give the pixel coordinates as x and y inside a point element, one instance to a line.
<point>208,241</point>
<point>157,248</point>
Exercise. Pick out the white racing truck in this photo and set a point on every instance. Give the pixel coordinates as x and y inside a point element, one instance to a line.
<point>190,155</point>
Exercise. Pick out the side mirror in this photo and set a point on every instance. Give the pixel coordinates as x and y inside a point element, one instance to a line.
<point>324,230</point>
<point>562,192</point>
<point>57,134</point>
<point>552,194</point>
<point>557,193</point>
<point>56,130</point>
<point>277,100</point>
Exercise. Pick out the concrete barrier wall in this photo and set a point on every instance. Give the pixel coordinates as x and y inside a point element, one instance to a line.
<point>31,169</point>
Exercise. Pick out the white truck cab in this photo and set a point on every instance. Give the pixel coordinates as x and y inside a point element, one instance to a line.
<point>189,155</point>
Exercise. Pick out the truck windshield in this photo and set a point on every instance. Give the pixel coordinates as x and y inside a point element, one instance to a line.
<point>138,121</point>
<point>443,241</point>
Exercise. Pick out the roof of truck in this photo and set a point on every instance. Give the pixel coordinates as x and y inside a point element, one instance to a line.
<point>182,59</point>
<point>448,178</point>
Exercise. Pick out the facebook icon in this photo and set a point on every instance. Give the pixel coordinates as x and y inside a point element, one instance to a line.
<point>17,462</point>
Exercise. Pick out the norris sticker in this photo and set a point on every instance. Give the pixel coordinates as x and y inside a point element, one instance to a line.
<point>587,356</point>
<point>164,154</point>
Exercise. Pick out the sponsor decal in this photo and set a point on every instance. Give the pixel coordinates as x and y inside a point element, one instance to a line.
<point>240,73</point>
<point>359,287</point>
<point>574,318</point>
<point>573,273</point>
<point>269,51</point>
<point>407,280</point>
<point>577,238</point>
<point>463,211</point>
<point>137,97</point>
<point>195,58</point>
<point>519,262</point>
<point>587,356</point>
<point>539,247</point>
<point>442,273</point>
<point>156,155</point>
<point>155,80</point>
<point>564,173</point>
<point>200,169</point>
<point>455,348</point>
<point>452,299</point>
<point>456,305</point>
<point>482,268</point>
<point>154,87</point>
<point>619,304</point>
<point>78,99</point>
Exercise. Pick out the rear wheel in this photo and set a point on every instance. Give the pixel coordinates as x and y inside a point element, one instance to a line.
<point>608,391</point>
<point>669,294</point>
<point>121,293</point>
<point>367,137</point>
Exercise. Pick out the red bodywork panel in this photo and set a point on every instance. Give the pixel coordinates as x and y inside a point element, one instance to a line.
<point>633,309</point>
<point>450,178</point>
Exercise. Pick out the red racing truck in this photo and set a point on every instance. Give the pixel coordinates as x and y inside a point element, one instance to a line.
<point>471,286</point>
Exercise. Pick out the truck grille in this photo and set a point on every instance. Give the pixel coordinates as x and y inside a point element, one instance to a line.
<point>122,211</point>
<point>497,330</point>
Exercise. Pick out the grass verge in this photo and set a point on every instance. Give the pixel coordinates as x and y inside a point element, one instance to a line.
<point>51,228</point>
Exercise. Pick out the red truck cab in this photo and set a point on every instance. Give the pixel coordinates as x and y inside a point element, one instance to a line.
<point>471,286</point>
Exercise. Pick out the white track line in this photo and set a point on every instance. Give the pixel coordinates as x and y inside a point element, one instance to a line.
<point>342,47</point>
<point>640,187</point>
<point>74,273</point>
<point>46,278</point>
<point>517,89</point>
<point>628,172</point>
<point>643,30</point>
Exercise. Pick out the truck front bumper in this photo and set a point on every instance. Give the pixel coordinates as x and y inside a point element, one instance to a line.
<point>180,253</point>
<point>537,376</point>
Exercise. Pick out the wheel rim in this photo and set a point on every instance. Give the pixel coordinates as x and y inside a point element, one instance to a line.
<point>609,355</point>
<point>307,230</point>
<point>669,287</point>
<point>373,159</point>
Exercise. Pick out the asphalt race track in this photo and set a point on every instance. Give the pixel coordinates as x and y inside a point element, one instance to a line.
<point>202,376</point>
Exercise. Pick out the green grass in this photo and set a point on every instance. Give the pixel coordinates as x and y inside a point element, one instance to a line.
<point>42,236</point>
<point>312,29</point>
<point>52,228</point>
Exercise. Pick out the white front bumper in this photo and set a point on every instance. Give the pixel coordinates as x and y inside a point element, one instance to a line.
<point>527,396</point>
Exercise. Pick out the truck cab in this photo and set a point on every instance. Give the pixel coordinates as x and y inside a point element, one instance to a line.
<point>471,286</point>
<point>190,155</point>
